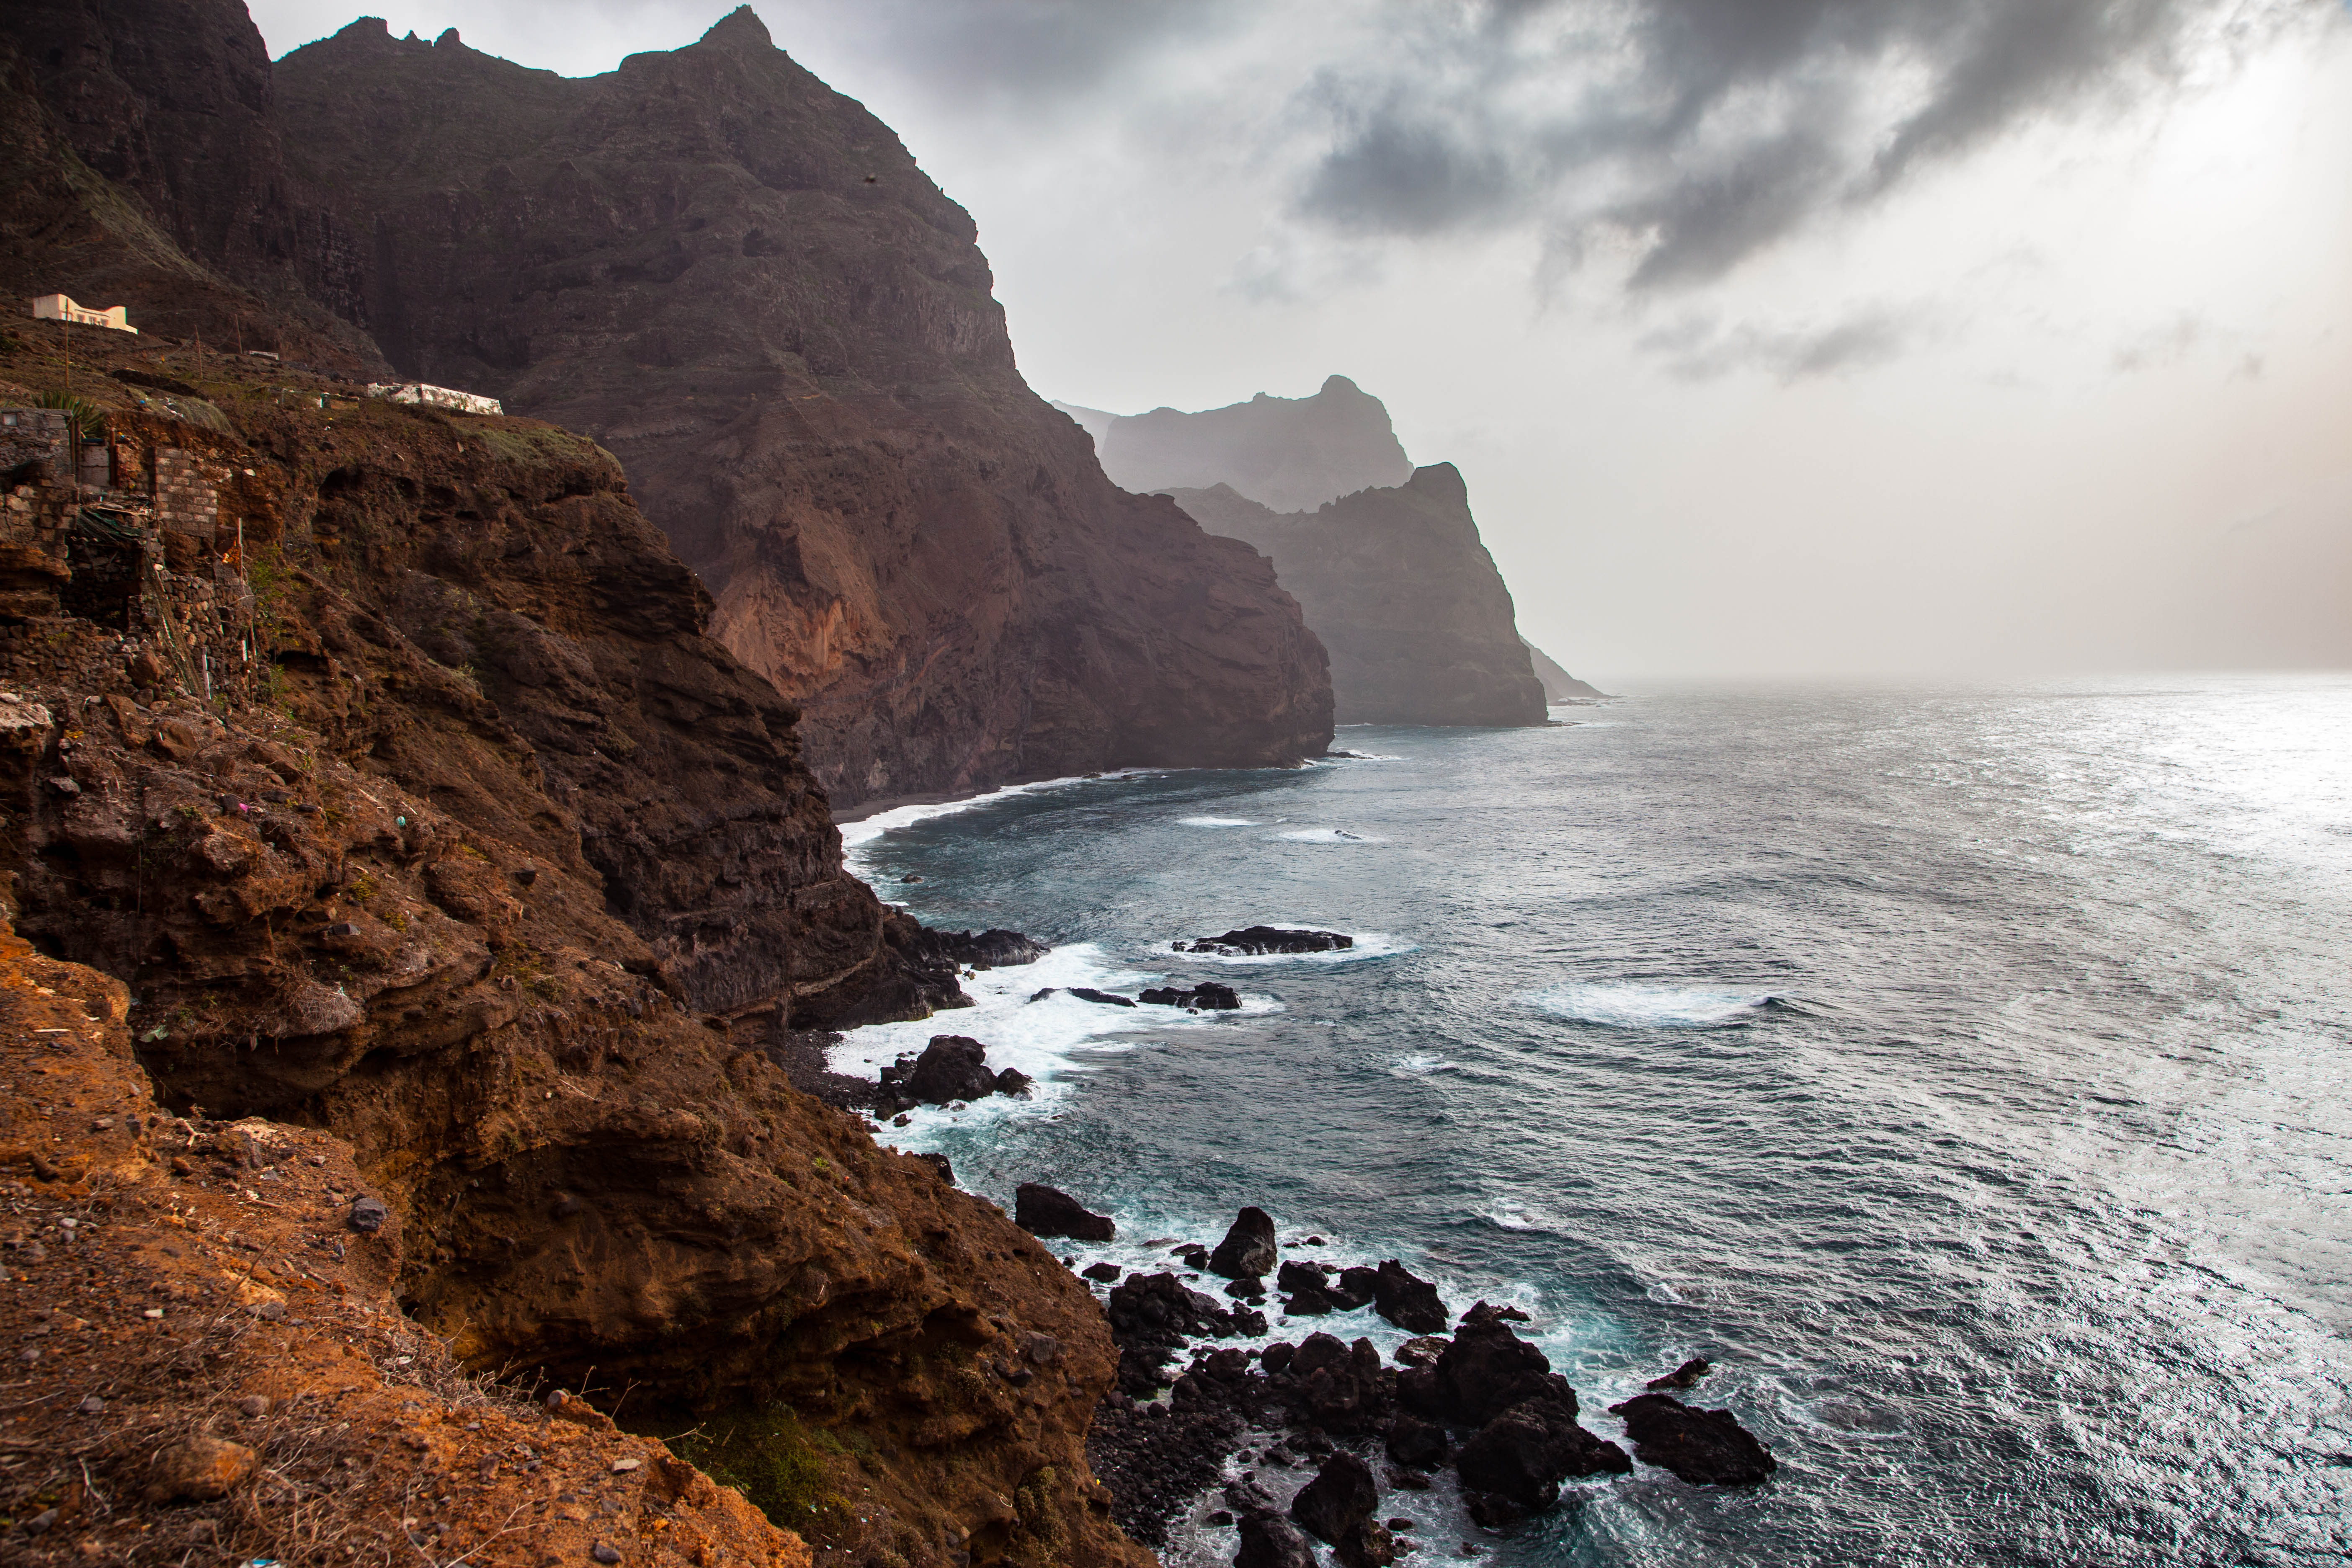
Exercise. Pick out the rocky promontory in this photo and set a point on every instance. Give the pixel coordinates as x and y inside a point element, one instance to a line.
<point>1288,454</point>
<point>1420,627</point>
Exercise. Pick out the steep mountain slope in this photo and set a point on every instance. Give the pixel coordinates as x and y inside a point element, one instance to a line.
<point>1290,454</point>
<point>740,282</point>
<point>156,179</point>
<point>1399,588</point>
<point>411,803</point>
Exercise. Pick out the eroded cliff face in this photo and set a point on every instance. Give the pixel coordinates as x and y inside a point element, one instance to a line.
<point>740,282</point>
<point>1420,625</point>
<point>155,179</point>
<point>476,840</point>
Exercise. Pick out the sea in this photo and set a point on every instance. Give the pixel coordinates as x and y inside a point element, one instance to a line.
<point>1966,1073</point>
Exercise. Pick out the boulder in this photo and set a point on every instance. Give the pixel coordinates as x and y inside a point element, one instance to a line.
<point>1416,1443</point>
<point>1355,1287</point>
<point>1254,942</point>
<point>1016,1083</point>
<point>1683,1376</point>
<point>1207,996</point>
<point>1526,1452</point>
<point>1487,1369</point>
<point>1270,1540</point>
<point>1248,1247</point>
<point>1151,1314</point>
<point>1410,1302</point>
<point>1705,1447</point>
<point>1421,1351</point>
<point>1340,1385</point>
<point>1042,1210</point>
<point>1338,1500</point>
<point>1103,998</point>
<point>978,949</point>
<point>952,1066</point>
<point>1103,1273</point>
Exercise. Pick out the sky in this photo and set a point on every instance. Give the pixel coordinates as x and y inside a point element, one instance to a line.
<point>1776,338</point>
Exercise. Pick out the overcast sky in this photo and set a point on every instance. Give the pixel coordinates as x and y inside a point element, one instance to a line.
<point>1774,337</point>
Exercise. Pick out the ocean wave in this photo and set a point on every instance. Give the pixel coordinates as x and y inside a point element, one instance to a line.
<point>1420,1065</point>
<point>1329,836</point>
<point>1638,1007</point>
<point>1369,945</point>
<point>1049,1039</point>
<point>1215,822</point>
<point>856,836</point>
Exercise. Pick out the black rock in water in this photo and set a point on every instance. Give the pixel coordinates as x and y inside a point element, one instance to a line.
<point>1487,1370</point>
<point>1255,941</point>
<point>1705,1447</point>
<point>1410,1302</point>
<point>1105,1273</point>
<point>1355,1287</point>
<point>952,1066</point>
<point>1208,996</point>
<point>1151,1314</point>
<point>1526,1452</point>
<point>1270,1540</point>
<point>1106,998</point>
<point>1042,1210</point>
<point>1340,1387</point>
<point>979,949</point>
<point>1416,1443</point>
<point>1015,1082</point>
<point>1248,1247</point>
<point>1683,1376</point>
<point>1341,1497</point>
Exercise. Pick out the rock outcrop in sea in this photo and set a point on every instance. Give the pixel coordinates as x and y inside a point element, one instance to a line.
<point>740,282</point>
<point>1419,624</point>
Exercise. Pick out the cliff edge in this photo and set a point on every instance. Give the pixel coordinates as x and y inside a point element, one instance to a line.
<point>1288,454</point>
<point>1419,623</point>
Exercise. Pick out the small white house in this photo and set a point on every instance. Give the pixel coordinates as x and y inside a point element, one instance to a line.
<point>57,308</point>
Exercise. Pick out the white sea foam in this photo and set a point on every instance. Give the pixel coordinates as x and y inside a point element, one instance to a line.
<point>1329,836</point>
<point>1637,1006</point>
<point>1369,945</point>
<point>1051,1040</point>
<point>856,835</point>
<point>1419,1065</point>
<point>1215,822</point>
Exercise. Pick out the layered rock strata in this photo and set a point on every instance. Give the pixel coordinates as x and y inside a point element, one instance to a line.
<point>741,283</point>
<point>1420,626</point>
<point>476,845</point>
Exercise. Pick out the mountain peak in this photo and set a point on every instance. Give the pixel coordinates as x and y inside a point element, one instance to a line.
<point>740,30</point>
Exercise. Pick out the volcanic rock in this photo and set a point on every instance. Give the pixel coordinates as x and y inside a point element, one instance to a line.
<point>1253,942</point>
<point>1340,1388</point>
<point>1407,1300</point>
<point>1042,1210</point>
<point>1705,1447</point>
<point>952,1066</point>
<point>1527,1452</point>
<point>992,949</point>
<point>1105,998</point>
<point>1396,582</point>
<point>1150,1315</point>
<point>1488,1369</point>
<point>1683,1376</point>
<point>1270,1540</point>
<point>1339,1499</point>
<point>1417,1443</point>
<point>1207,996</point>
<point>741,282</point>
<point>1248,1248</point>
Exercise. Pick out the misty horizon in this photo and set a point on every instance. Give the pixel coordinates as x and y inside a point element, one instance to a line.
<point>1801,343</point>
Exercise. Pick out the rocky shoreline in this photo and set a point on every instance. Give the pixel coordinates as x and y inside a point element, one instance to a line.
<point>1318,1437</point>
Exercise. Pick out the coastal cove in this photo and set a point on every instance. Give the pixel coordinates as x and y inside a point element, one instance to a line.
<point>1959,1071</point>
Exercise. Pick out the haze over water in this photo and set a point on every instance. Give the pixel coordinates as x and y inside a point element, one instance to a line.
<point>1964,1072</point>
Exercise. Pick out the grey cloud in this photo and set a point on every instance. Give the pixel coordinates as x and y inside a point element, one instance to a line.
<point>1703,131</point>
<point>1700,349</point>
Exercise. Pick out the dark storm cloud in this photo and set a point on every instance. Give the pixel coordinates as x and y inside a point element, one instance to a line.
<point>1703,131</point>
